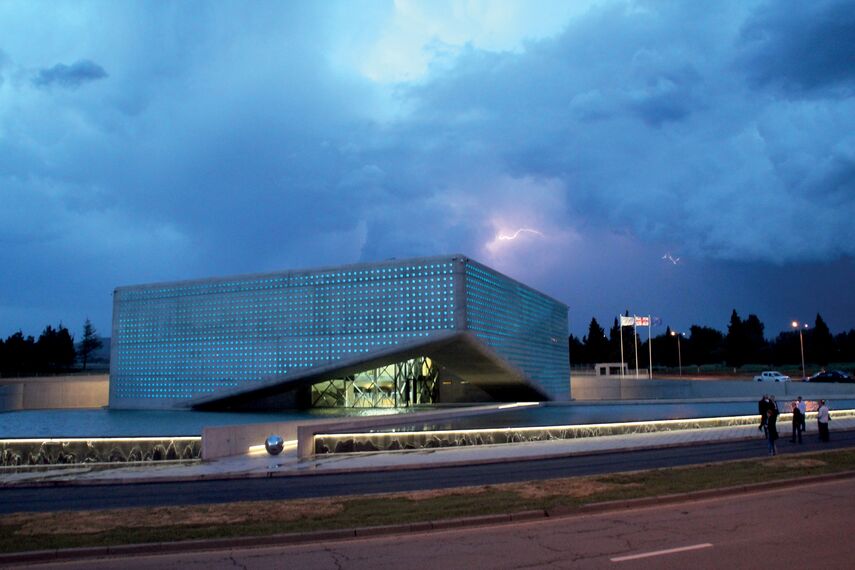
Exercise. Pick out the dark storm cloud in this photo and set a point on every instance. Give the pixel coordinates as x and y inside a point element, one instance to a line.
<point>642,117</point>
<point>70,76</point>
<point>801,47</point>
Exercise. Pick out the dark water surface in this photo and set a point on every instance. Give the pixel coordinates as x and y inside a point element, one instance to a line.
<point>579,413</point>
<point>129,423</point>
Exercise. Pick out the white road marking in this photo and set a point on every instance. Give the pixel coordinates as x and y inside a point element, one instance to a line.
<point>661,552</point>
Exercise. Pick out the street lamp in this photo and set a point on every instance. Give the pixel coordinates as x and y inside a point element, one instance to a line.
<point>801,344</point>
<point>679,351</point>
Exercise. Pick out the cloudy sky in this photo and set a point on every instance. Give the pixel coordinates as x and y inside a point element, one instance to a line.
<point>679,159</point>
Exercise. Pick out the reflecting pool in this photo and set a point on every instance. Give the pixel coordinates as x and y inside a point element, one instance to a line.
<point>103,422</point>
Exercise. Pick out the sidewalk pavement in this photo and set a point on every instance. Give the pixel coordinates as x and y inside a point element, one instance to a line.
<point>288,464</point>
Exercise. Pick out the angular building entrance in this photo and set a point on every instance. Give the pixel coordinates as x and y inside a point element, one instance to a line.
<point>414,382</point>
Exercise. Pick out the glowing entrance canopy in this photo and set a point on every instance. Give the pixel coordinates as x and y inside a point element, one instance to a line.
<point>399,385</point>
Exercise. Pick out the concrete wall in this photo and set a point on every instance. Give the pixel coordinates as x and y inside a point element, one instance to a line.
<point>605,388</point>
<point>54,392</point>
<point>225,441</point>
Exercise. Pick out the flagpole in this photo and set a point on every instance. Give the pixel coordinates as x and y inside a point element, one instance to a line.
<point>622,364</point>
<point>650,346</point>
<point>635,340</point>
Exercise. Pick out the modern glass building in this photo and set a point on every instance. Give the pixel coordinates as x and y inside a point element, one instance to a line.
<point>391,334</point>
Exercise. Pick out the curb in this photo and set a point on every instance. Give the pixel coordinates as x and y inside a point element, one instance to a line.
<point>155,548</point>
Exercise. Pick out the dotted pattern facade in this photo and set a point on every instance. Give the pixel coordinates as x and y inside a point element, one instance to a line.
<point>526,327</point>
<point>179,341</point>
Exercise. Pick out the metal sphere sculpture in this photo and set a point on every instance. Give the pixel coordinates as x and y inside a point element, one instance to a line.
<point>274,444</point>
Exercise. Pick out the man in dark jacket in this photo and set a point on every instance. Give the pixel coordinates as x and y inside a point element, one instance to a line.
<point>772,429</point>
<point>762,408</point>
<point>798,420</point>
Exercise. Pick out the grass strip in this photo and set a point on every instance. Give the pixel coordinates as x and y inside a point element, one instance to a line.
<point>70,529</point>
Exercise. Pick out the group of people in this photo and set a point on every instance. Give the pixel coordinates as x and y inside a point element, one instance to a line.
<point>768,409</point>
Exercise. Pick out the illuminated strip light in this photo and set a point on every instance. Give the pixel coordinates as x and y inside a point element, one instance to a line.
<point>517,405</point>
<point>738,421</point>
<point>99,439</point>
<point>289,445</point>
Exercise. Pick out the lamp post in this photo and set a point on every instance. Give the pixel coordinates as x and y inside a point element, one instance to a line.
<point>679,351</point>
<point>801,344</point>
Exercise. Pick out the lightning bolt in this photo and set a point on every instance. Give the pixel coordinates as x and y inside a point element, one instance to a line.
<point>517,233</point>
<point>671,258</point>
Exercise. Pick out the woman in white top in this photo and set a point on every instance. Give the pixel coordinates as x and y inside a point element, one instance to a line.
<point>822,418</point>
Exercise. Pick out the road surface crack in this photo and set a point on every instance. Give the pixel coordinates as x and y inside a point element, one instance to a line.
<point>338,558</point>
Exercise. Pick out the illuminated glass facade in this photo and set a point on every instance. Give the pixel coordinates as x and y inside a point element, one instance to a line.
<point>179,341</point>
<point>526,327</point>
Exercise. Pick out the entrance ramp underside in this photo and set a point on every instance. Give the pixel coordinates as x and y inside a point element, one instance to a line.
<point>459,353</point>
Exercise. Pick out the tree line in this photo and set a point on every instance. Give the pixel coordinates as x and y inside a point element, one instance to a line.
<point>743,343</point>
<point>54,352</point>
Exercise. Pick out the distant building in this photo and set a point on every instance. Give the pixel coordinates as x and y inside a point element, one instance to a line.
<point>611,368</point>
<point>392,334</point>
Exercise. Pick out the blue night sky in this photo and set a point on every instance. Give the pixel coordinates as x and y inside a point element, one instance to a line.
<point>154,141</point>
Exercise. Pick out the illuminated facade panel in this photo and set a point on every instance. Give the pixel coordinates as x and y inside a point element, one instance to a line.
<point>177,342</point>
<point>526,327</point>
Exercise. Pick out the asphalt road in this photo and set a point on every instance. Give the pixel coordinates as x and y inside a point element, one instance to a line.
<point>45,499</point>
<point>806,526</point>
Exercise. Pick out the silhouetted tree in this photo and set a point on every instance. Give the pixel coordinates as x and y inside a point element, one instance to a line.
<point>735,342</point>
<point>596,343</point>
<point>821,343</point>
<point>19,355</point>
<point>90,342</point>
<point>785,349</point>
<point>706,345</point>
<point>845,343</point>
<point>755,343</point>
<point>577,350</point>
<point>667,353</point>
<point>614,342</point>
<point>664,350</point>
<point>55,350</point>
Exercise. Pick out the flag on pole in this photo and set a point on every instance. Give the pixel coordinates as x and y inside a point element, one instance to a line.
<point>627,321</point>
<point>642,321</point>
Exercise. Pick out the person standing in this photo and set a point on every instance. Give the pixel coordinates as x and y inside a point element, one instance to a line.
<point>762,408</point>
<point>772,429</point>
<point>803,410</point>
<point>798,420</point>
<point>773,404</point>
<point>822,419</point>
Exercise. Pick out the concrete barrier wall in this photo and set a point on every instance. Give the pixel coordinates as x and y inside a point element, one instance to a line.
<point>604,388</point>
<point>11,397</point>
<point>306,432</point>
<point>54,392</point>
<point>225,441</point>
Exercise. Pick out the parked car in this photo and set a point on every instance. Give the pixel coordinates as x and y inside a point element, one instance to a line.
<point>771,376</point>
<point>830,376</point>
